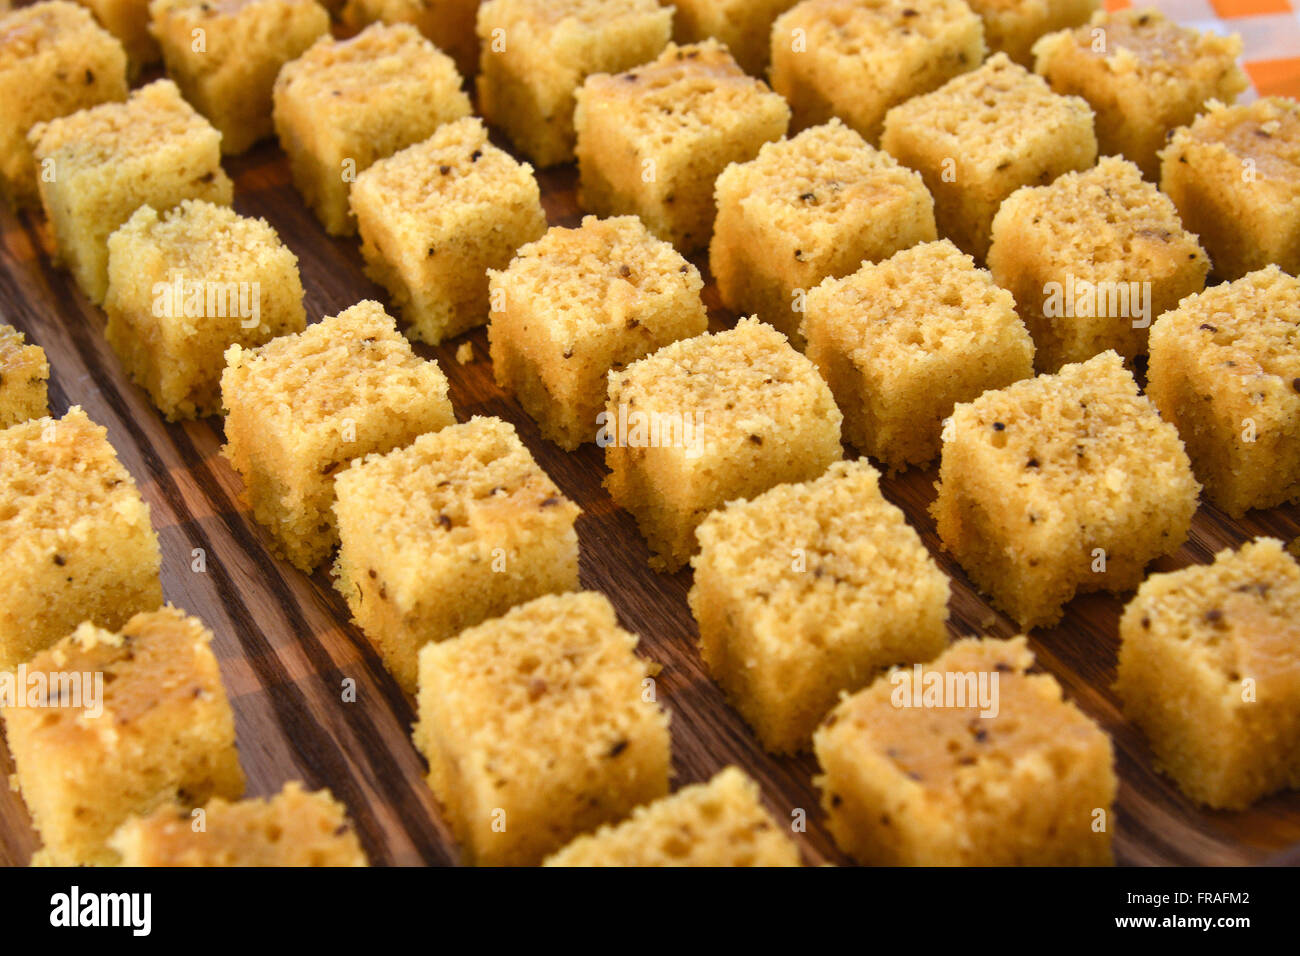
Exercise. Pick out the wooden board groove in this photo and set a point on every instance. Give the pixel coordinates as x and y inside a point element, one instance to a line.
<point>286,646</point>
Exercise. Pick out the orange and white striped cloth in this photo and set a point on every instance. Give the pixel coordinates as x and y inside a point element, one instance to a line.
<point>1270,33</point>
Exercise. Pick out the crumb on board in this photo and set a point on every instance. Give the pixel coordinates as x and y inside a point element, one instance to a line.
<point>465,353</point>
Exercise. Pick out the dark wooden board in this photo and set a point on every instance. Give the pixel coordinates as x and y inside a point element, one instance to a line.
<point>286,646</point>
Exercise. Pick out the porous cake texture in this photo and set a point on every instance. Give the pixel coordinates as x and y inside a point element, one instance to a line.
<point>971,760</point>
<point>1012,26</point>
<point>294,827</point>
<point>140,720</point>
<point>718,823</point>
<point>54,60</point>
<point>816,205</point>
<point>579,303</point>
<point>183,287</point>
<point>1092,260</point>
<point>536,53</point>
<point>856,58</point>
<point>809,590</point>
<point>225,56</point>
<point>457,527</point>
<point>449,24</point>
<point>108,161</point>
<point>344,104</point>
<point>1143,74</point>
<point>653,140</point>
<point>983,135</point>
<point>75,539</point>
<point>1062,484</point>
<point>538,726</point>
<point>1209,668</point>
<point>436,216</point>
<point>709,419</point>
<point>900,342</point>
<point>1234,175</point>
<point>301,407</point>
<point>743,26</point>
<point>1225,370</point>
<point>24,374</point>
<point>128,20</point>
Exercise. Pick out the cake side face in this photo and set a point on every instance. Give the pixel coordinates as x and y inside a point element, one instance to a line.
<point>156,729</point>
<point>718,823</point>
<point>1209,668</point>
<point>128,20</point>
<point>42,47</point>
<point>579,303</point>
<point>436,216</point>
<point>1092,260</point>
<point>302,406</point>
<point>856,58</point>
<point>24,374</point>
<point>1225,371</point>
<point>743,26</point>
<point>709,419</point>
<point>454,529</point>
<point>900,342</point>
<point>653,140</point>
<point>111,159</point>
<point>810,590</point>
<point>1062,484</point>
<point>76,542</point>
<point>816,205</point>
<point>536,53</point>
<point>344,104</point>
<point>292,828</point>
<point>983,135</point>
<point>1013,26</point>
<point>186,285</point>
<point>538,726</point>
<point>1143,75</point>
<point>448,23</point>
<point>1234,175</point>
<point>970,760</point>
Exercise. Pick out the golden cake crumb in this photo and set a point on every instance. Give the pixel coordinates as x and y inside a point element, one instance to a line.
<point>24,373</point>
<point>449,24</point>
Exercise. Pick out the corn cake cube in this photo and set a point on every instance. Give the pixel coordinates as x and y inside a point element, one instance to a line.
<point>183,287</point>
<point>968,761</point>
<point>449,24</point>
<point>652,141</point>
<point>1012,26</point>
<point>538,726</point>
<point>292,828</point>
<point>902,341</point>
<point>128,20</point>
<point>536,53</point>
<point>140,720</point>
<point>719,823</point>
<point>1092,260</point>
<point>981,136</point>
<point>23,376</point>
<point>108,161</point>
<point>436,216</point>
<point>1062,484</point>
<point>1209,668</point>
<point>743,26</point>
<point>579,303</point>
<point>1143,75</point>
<point>54,60</point>
<point>1226,371</point>
<point>1234,175</point>
<point>708,419</point>
<point>344,104</point>
<point>458,527</point>
<point>303,406</point>
<point>75,539</point>
<point>244,44</point>
<point>816,205</point>
<point>856,58</point>
<point>809,590</point>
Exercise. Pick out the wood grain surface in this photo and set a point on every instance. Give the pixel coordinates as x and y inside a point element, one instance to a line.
<point>286,646</point>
